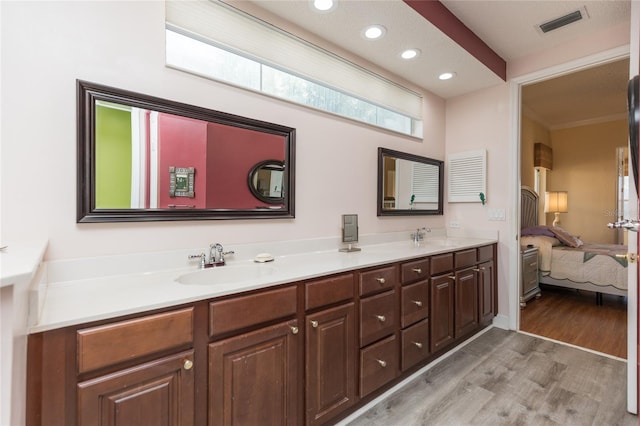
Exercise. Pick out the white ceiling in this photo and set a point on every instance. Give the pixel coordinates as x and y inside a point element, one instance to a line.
<point>509,27</point>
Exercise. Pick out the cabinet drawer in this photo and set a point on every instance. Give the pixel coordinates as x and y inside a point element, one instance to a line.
<point>377,280</point>
<point>111,344</point>
<point>415,271</point>
<point>465,258</point>
<point>441,263</point>
<point>415,344</point>
<point>485,253</point>
<point>414,303</point>
<point>327,291</point>
<point>378,365</point>
<point>377,317</point>
<point>246,311</point>
<point>530,264</point>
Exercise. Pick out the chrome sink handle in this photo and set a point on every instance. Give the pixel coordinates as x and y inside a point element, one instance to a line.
<point>202,257</point>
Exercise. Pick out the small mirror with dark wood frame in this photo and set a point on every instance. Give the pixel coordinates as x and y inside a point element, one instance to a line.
<point>142,158</point>
<point>409,184</point>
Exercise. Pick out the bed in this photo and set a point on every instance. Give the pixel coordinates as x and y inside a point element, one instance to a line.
<point>565,261</point>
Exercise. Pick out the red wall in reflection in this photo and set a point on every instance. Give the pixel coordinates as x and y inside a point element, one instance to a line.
<point>222,155</point>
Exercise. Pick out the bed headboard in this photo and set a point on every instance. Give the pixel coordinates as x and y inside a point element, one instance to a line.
<point>528,207</point>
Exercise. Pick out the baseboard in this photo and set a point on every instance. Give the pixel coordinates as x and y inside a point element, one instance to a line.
<point>501,321</point>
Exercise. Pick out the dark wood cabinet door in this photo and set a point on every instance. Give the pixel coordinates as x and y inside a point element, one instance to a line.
<point>441,311</point>
<point>486,295</point>
<point>155,393</point>
<point>330,362</point>
<point>253,377</point>
<point>466,295</point>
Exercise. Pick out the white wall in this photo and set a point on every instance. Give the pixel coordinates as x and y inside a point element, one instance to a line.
<point>480,121</point>
<point>46,46</point>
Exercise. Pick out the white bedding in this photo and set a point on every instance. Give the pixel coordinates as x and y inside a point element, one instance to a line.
<point>592,263</point>
<point>544,244</point>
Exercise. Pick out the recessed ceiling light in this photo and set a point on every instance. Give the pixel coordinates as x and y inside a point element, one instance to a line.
<point>447,75</point>
<point>323,5</point>
<point>410,53</point>
<point>374,32</point>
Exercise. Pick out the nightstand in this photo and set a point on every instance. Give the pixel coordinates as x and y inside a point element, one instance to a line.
<point>529,286</point>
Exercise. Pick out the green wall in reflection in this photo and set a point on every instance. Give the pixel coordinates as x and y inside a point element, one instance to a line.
<point>113,154</point>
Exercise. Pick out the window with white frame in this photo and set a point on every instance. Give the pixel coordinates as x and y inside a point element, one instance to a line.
<point>216,41</point>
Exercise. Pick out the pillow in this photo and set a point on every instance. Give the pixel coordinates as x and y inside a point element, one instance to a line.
<point>537,230</point>
<point>566,238</point>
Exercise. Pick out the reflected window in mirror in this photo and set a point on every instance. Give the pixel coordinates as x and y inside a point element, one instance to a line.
<point>144,158</point>
<point>409,184</point>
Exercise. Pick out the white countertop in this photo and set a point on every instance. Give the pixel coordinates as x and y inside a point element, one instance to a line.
<point>19,262</point>
<point>82,299</point>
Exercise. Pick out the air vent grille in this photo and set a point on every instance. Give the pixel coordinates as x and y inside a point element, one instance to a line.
<point>561,21</point>
<point>467,176</point>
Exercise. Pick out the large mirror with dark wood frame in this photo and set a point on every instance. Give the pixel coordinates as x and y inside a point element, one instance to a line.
<point>409,184</point>
<point>142,158</point>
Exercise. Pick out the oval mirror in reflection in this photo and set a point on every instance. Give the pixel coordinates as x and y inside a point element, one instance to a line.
<point>266,181</point>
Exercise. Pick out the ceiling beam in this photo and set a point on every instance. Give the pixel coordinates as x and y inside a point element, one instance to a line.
<point>436,13</point>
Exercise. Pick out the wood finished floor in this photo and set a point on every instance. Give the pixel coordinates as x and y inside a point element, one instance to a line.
<point>509,378</point>
<point>573,317</point>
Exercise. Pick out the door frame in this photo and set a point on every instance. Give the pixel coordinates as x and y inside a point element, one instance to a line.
<point>514,244</point>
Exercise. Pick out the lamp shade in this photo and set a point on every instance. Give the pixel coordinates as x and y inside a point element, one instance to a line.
<point>556,202</point>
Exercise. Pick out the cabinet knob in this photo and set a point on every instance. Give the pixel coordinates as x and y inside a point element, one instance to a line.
<point>187,364</point>
<point>417,302</point>
<point>452,277</point>
<point>294,330</point>
<point>478,269</point>
<point>417,270</point>
<point>418,345</point>
<point>382,363</point>
<point>381,318</point>
<point>381,280</point>
<point>314,324</point>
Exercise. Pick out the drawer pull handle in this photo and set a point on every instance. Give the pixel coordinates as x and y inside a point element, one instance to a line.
<point>381,318</point>
<point>453,277</point>
<point>294,330</point>
<point>381,280</point>
<point>314,324</point>
<point>417,302</point>
<point>478,269</point>
<point>382,363</point>
<point>187,364</point>
<point>417,270</point>
<point>418,345</point>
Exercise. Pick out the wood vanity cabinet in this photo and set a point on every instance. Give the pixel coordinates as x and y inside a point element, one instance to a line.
<point>330,349</point>
<point>414,315</point>
<point>134,371</point>
<point>487,303</point>
<point>378,326</point>
<point>253,375</point>
<point>466,292</point>
<point>441,297</point>
<point>308,352</point>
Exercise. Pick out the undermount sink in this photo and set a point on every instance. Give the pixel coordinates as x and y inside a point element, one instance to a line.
<point>226,275</point>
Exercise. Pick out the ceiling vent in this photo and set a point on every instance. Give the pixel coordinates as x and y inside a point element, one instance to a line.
<point>567,19</point>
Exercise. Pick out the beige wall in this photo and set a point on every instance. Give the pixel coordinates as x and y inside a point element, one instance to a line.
<point>531,132</point>
<point>584,164</point>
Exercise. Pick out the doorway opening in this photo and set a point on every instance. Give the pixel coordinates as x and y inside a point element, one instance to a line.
<point>554,179</point>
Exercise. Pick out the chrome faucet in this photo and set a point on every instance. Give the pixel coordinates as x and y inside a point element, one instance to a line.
<point>419,234</point>
<point>216,256</point>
